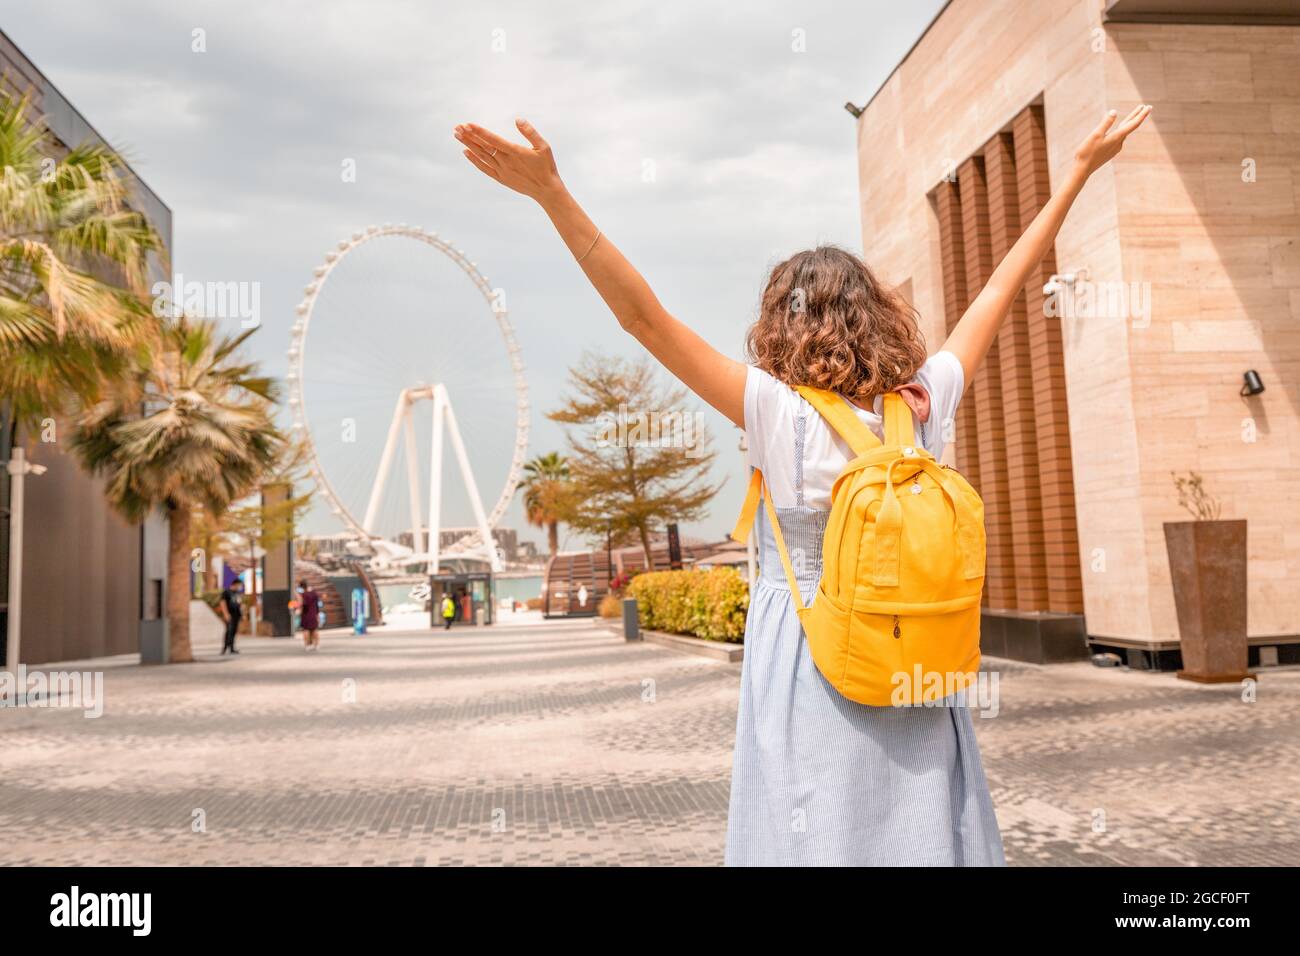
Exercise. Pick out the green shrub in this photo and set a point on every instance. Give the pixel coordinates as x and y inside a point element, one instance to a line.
<point>708,604</point>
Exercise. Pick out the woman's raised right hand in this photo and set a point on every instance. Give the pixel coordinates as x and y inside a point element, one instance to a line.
<point>527,169</point>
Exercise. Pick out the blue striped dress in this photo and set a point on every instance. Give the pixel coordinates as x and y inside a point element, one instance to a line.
<point>819,780</point>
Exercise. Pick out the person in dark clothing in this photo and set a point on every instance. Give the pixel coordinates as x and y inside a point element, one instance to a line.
<point>310,611</point>
<point>232,610</point>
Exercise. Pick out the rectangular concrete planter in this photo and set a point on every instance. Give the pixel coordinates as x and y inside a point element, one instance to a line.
<point>1038,637</point>
<point>1207,564</point>
<point>718,650</point>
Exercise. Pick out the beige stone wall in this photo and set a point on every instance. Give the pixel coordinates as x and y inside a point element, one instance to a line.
<point>1222,254</point>
<point>1221,263</point>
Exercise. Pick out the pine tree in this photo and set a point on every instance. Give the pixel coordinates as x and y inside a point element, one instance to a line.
<point>639,458</point>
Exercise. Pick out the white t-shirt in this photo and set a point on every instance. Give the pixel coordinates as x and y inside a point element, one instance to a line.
<point>773,414</point>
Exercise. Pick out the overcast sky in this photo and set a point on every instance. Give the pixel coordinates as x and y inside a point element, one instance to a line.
<point>735,108</point>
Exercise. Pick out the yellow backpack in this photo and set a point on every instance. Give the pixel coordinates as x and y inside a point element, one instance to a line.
<point>896,617</point>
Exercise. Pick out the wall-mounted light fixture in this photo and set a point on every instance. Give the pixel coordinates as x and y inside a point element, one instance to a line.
<point>1252,384</point>
<point>853,109</point>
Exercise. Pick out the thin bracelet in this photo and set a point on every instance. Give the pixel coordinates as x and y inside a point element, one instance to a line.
<point>590,247</point>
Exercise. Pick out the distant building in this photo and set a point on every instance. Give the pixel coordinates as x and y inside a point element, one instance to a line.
<point>93,585</point>
<point>729,554</point>
<point>339,544</point>
<point>506,538</point>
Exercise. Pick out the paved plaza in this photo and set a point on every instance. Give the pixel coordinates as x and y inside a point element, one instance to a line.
<point>559,743</point>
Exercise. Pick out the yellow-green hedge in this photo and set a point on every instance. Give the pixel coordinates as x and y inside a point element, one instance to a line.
<point>708,604</point>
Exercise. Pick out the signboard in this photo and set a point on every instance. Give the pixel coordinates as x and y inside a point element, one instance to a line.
<point>674,548</point>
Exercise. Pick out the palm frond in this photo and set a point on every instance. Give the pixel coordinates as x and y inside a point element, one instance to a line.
<point>74,260</point>
<point>188,431</point>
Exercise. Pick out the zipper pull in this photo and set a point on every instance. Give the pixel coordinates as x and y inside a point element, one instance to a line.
<point>897,630</point>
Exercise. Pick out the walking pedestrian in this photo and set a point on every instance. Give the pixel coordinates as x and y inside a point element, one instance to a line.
<point>309,602</point>
<point>232,611</point>
<point>448,611</point>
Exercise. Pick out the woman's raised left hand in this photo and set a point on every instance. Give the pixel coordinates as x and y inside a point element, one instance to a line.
<point>1104,143</point>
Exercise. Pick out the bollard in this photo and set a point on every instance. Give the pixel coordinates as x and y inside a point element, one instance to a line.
<point>154,646</point>
<point>631,620</point>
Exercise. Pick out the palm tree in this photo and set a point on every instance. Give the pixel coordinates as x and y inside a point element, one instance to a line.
<point>544,483</point>
<point>191,426</point>
<point>74,268</point>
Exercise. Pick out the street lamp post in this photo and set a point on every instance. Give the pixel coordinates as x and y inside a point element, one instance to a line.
<point>19,468</point>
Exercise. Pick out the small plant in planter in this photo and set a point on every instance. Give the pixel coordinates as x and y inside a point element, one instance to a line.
<point>1207,565</point>
<point>1194,499</point>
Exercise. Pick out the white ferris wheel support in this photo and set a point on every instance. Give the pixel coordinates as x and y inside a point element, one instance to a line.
<point>444,421</point>
<point>403,426</point>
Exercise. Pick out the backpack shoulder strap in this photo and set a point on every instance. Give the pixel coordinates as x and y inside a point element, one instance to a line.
<point>746,523</point>
<point>840,417</point>
<point>898,420</point>
<point>749,509</point>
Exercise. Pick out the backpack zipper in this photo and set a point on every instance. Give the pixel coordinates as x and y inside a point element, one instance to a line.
<point>897,630</point>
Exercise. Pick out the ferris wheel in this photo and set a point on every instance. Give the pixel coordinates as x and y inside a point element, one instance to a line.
<point>393,329</point>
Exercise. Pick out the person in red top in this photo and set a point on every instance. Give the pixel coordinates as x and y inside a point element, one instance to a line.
<point>309,603</point>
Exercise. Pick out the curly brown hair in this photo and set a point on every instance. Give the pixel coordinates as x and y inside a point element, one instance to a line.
<point>825,321</point>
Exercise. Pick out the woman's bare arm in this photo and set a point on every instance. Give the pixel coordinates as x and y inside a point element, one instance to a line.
<point>971,338</point>
<point>531,170</point>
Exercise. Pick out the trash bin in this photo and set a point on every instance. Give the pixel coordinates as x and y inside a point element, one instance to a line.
<point>154,647</point>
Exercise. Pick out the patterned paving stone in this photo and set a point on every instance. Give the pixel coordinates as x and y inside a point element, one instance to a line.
<point>561,744</point>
